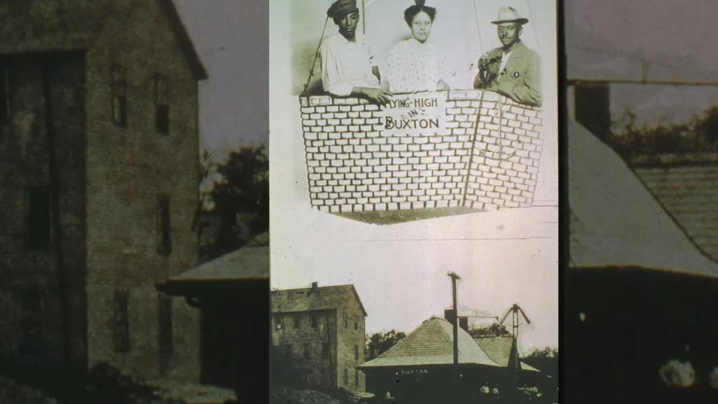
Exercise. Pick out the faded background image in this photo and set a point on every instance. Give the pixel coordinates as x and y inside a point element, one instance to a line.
<point>642,171</point>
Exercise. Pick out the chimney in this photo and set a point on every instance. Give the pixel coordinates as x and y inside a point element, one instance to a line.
<point>314,286</point>
<point>464,323</point>
<point>449,315</point>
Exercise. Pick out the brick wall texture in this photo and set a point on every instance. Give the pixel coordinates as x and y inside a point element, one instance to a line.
<point>109,181</point>
<point>486,159</point>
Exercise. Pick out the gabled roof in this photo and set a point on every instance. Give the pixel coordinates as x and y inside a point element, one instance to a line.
<point>36,26</point>
<point>686,186</point>
<point>615,221</point>
<point>432,344</point>
<point>307,299</point>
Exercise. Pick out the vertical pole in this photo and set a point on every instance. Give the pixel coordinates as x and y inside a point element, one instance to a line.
<point>455,384</point>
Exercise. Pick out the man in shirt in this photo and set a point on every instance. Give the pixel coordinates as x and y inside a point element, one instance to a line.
<point>347,64</point>
<point>513,69</point>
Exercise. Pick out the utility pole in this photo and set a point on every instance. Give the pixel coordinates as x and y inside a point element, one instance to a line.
<point>454,277</point>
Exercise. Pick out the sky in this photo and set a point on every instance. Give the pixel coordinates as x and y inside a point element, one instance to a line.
<point>231,37</point>
<point>400,271</point>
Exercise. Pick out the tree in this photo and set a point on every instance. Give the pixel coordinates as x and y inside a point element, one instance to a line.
<point>378,343</point>
<point>494,329</point>
<point>239,185</point>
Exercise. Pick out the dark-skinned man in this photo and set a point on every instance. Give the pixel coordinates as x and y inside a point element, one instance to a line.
<point>347,64</point>
<point>513,69</point>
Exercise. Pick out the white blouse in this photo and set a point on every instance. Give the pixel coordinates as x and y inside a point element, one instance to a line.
<point>413,66</point>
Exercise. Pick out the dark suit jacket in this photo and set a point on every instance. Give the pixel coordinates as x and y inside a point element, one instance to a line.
<point>521,78</point>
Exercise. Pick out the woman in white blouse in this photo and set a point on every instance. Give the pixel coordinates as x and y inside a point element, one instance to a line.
<point>413,63</point>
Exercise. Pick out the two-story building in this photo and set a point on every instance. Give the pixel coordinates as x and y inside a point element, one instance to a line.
<point>99,184</point>
<point>321,330</point>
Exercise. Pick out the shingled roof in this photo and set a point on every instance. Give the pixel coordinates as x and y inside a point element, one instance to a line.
<point>498,348</point>
<point>686,186</point>
<point>309,299</point>
<point>432,344</point>
<point>615,220</point>
<point>34,26</point>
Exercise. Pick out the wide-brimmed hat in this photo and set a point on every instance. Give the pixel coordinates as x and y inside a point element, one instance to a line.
<point>509,14</point>
<point>340,8</point>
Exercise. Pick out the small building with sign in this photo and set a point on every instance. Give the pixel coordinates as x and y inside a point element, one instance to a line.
<point>320,333</point>
<point>420,368</point>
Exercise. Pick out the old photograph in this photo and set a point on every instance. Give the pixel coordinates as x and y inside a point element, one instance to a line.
<point>414,201</point>
<point>409,110</point>
<point>128,255</point>
<point>642,169</point>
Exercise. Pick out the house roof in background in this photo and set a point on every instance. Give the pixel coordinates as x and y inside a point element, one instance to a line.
<point>432,344</point>
<point>615,220</point>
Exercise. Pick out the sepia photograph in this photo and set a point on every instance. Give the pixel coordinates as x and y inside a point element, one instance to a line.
<point>414,200</point>
<point>641,287</point>
<point>134,256</point>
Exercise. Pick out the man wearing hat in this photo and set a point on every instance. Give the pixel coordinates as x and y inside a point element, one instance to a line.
<point>513,69</point>
<point>347,64</point>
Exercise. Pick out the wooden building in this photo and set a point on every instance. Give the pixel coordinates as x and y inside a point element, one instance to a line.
<point>639,292</point>
<point>420,368</point>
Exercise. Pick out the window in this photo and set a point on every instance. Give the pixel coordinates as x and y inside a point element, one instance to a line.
<point>356,379</point>
<point>119,96</point>
<point>346,377</point>
<point>122,321</point>
<point>356,352</point>
<point>356,325</point>
<point>278,324</point>
<point>164,225</point>
<point>307,352</point>
<point>315,321</point>
<point>4,96</point>
<point>346,322</point>
<point>162,104</point>
<point>31,331</point>
<point>164,324</point>
<point>325,351</point>
<point>297,321</point>
<point>39,219</point>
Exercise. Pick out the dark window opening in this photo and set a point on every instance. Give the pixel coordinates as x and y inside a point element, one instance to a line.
<point>356,379</point>
<point>297,321</point>
<point>119,96</point>
<point>32,338</point>
<point>346,377</point>
<point>4,96</point>
<point>279,325</point>
<point>346,323</point>
<point>164,225</point>
<point>356,325</point>
<point>307,352</point>
<point>325,351</point>
<point>315,321</point>
<point>39,226</point>
<point>162,104</point>
<point>164,320</point>
<point>122,321</point>
<point>356,352</point>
